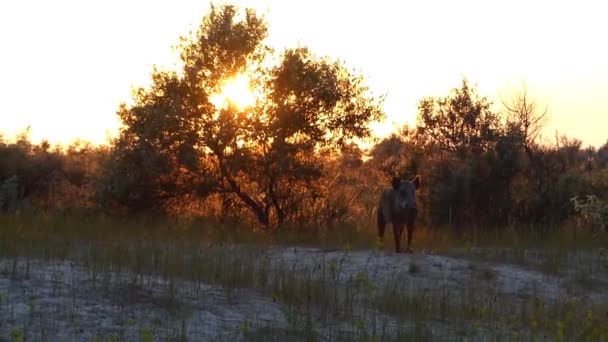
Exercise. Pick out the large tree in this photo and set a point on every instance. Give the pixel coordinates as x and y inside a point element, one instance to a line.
<point>470,156</point>
<point>176,142</point>
<point>462,122</point>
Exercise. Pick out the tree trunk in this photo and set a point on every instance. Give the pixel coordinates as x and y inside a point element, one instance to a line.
<point>258,210</point>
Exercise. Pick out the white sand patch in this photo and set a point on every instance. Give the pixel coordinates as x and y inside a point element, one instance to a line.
<point>60,300</point>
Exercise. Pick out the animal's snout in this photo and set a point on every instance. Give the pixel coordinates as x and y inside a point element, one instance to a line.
<point>407,203</point>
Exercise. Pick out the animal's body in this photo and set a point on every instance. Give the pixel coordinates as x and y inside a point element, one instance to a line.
<point>397,206</point>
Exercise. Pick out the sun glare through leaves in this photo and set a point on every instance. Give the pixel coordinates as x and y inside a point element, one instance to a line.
<point>235,91</point>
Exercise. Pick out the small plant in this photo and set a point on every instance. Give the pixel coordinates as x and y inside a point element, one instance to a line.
<point>552,263</point>
<point>97,338</point>
<point>413,268</point>
<point>583,279</point>
<point>360,326</point>
<point>244,327</point>
<point>157,321</point>
<point>17,335</point>
<point>488,274</point>
<point>592,210</point>
<point>32,307</point>
<point>183,334</point>
<point>378,244</point>
<point>145,335</point>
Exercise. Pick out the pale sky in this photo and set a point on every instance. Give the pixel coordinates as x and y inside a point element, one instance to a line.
<point>65,65</point>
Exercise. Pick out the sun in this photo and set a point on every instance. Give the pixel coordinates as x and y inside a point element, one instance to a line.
<point>235,91</point>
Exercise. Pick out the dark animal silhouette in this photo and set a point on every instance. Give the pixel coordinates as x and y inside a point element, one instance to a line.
<point>397,206</point>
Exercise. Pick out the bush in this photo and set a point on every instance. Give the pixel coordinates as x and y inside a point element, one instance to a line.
<point>592,210</point>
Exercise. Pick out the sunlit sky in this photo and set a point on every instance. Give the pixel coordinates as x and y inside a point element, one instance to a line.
<point>65,65</point>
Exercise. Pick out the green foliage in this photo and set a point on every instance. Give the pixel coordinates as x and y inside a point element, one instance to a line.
<point>592,210</point>
<point>17,335</point>
<point>146,335</point>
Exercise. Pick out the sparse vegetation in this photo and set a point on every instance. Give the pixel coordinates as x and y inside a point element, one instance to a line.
<point>333,295</point>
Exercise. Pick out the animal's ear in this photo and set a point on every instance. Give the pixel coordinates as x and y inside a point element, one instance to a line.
<point>396,182</point>
<point>416,181</point>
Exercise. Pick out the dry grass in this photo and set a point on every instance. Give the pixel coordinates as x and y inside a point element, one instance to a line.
<point>319,301</point>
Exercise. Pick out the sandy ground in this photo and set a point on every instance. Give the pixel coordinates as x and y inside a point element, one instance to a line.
<point>60,301</point>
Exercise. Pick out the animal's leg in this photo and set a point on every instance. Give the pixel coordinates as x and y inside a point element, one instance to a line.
<point>410,228</point>
<point>397,230</point>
